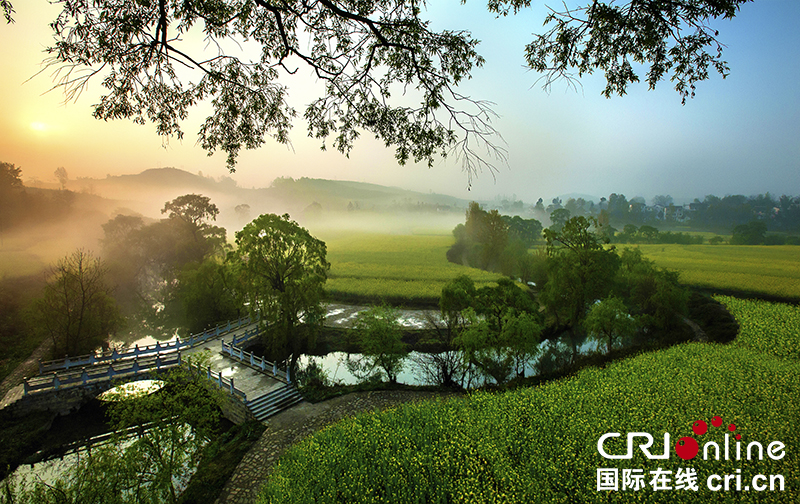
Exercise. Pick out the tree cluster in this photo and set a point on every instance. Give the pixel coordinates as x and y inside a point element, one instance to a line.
<point>585,290</point>
<point>494,242</point>
<point>583,273</point>
<point>170,268</point>
<point>77,311</point>
<point>20,205</point>
<point>650,234</point>
<point>723,214</point>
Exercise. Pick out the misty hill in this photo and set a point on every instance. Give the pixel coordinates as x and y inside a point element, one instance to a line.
<point>146,192</point>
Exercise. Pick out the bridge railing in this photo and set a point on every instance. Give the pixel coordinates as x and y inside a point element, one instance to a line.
<point>226,384</point>
<point>256,361</point>
<point>197,339</point>
<point>126,369</point>
<point>137,351</point>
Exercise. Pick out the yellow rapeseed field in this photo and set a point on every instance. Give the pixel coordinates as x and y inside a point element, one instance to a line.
<point>413,268</point>
<point>757,269</point>
<point>539,444</point>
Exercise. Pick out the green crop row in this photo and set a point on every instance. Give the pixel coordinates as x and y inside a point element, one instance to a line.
<point>771,270</point>
<point>540,444</point>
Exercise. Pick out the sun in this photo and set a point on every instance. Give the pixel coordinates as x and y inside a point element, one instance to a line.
<point>38,126</point>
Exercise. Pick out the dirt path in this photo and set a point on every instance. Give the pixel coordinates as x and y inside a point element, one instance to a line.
<point>28,368</point>
<point>295,424</point>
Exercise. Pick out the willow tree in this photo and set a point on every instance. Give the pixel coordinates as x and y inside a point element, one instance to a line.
<point>282,270</point>
<point>363,53</point>
<point>76,310</point>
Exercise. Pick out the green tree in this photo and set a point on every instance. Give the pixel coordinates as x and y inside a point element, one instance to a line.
<point>558,217</point>
<point>10,177</point>
<point>648,233</point>
<point>501,332</point>
<point>10,186</point>
<point>62,176</point>
<point>282,270</point>
<point>481,241</point>
<point>76,309</point>
<point>752,233</point>
<point>655,296</point>
<point>360,52</point>
<point>194,210</point>
<point>457,295</point>
<point>379,338</point>
<point>146,260</point>
<point>441,363</point>
<point>498,350</point>
<point>207,294</point>
<point>609,320</point>
<point>581,271</point>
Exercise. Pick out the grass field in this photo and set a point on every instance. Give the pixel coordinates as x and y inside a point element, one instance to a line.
<point>539,444</point>
<point>395,268</point>
<point>756,269</point>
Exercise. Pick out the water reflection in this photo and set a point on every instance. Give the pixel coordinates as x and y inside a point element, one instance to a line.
<point>334,365</point>
<point>131,390</point>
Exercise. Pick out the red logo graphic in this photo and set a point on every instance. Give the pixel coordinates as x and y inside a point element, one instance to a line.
<point>687,447</point>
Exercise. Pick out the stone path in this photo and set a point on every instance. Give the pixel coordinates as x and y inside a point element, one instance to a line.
<point>11,387</point>
<point>293,425</point>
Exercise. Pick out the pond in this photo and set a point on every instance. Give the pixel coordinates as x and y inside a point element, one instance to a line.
<point>334,365</point>
<point>50,469</point>
<point>338,315</point>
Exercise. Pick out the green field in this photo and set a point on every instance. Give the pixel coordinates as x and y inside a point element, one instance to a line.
<point>395,268</point>
<point>755,269</point>
<point>539,444</point>
<point>772,328</point>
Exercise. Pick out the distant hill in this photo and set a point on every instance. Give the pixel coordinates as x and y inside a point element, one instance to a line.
<point>146,193</point>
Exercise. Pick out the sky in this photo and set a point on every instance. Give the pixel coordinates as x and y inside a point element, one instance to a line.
<point>740,135</point>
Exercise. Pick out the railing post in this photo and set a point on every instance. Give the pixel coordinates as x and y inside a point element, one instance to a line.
<point>274,370</point>
<point>41,368</point>
<point>66,363</point>
<point>56,381</point>
<point>232,387</point>
<point>288,378</point>
<point>158,363</point>
<point>136,366</point>
<point>84,377</point>
<point>25,386</point>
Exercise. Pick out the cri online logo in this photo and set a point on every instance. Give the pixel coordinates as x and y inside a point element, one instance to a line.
<point>688,448</point>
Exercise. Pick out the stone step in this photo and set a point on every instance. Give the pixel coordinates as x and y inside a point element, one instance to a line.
<point>274,402</point>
